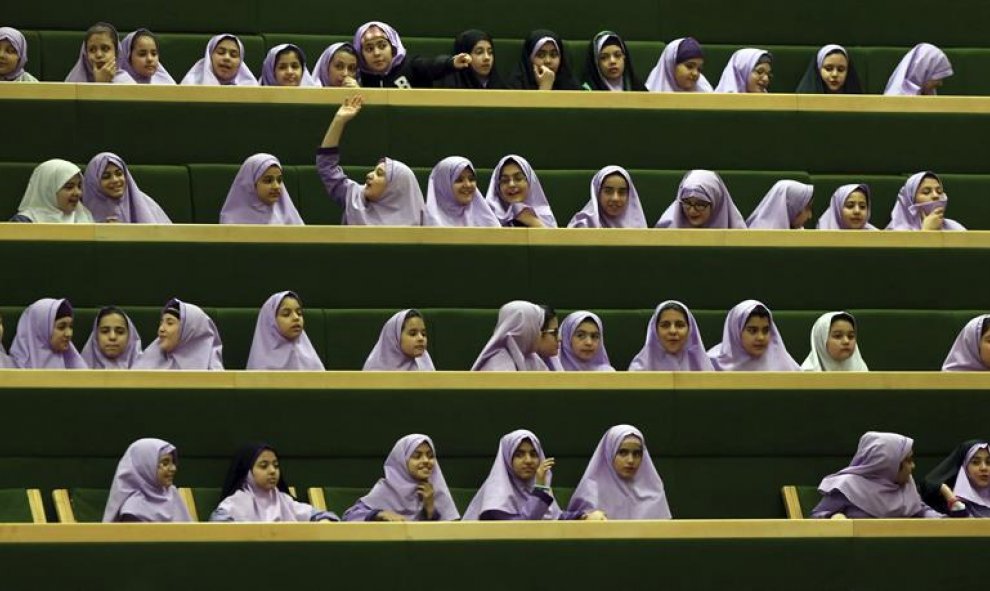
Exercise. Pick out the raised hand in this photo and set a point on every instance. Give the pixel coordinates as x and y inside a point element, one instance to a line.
<point>543,471</point>
<point>462,60</point>
<point>350,108</point>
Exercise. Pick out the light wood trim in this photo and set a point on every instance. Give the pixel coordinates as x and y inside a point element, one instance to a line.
<point>186,495</point>
<point>792,503</point>
<point>63,506</point>
<point>292,491</point>
<point>37,506</point>
<point>316,498</point>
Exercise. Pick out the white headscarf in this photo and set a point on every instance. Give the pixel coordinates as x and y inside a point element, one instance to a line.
<point>819,359</point>
<point>40,202</point>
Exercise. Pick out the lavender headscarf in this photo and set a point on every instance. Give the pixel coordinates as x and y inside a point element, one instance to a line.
<point>32,347</point>
<point>135,490</point>
<point>401,204</point>
<point>82,71</point>
<point>735,76</point>
<point>832,217</point>
<point>593,217</point>
<point>199,345</point>
<point>907,215</point>
<point>569,360</point>
<point>16,38</point>
<point>95,358</point>
<point>320,71</point>
<point>254,504</point>
<point>819,359</point>
<point>387,354</point>
<point>398,50</point>
<point>272,351</point>
<point>161,75</point>
<point>202,71</point>
<point>536,201</point>
<point>513,343</point>
<point>662,79</point>
<point>653,357</point>
<point>964,488</point>
<point>965,352</point>
<point>268,66</point>
<point>502,490</point>
<point>707,186</point>
<point>869,482</point>
<point>923,63</point>
<point>729,355</point>
<point>785,200</point>
<point>134,207</point>
<point>396,492</point>
<point>642,497</point>
<point>243,206</point>
<point>40,200</point>
<point>443,209</point>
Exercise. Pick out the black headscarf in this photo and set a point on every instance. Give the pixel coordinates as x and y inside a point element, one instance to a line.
<point>466,78</point>
<point>944,473</point>
<point>595,79</point>
<point>241,465</point>
<point>812,83</point>
<point>523,78</point>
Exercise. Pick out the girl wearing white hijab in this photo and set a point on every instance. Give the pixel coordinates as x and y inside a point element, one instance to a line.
<point>833,344</point>
<point>53,195</point>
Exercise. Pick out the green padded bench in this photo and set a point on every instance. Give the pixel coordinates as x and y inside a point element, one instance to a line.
<point>80,505</point>
<point>21,505</point>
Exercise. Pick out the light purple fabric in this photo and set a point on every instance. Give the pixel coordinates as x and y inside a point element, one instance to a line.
<point>5,361</point>
<point>320,71</point>
<point>653,357</point>
<point>831,219</point>
<point>199,345</point>
<point>134,207</point>
<point>512,346</point>
<point>662,79</point>
<point>401,204</point>
<point>398,50</point>
<point>268,66</point>
<point>161,75</point>
<point>569,360</point>
<point>729,355</point>
<point>243,206</point>
<point>443,209</point>
<point>907,215</point>
<point>785,200</point>
<point>964,488</point>
<point>965,352</point>
<point>736,73</point>
<point>819,358</point>
<point>503,491</point>
<point>387,353</point>
<point>705,185</point>
<point>82,71</point>
<point>923,63</point>
<point>536,201</point>
<point>272,351</point>
<point>254,504</point>
<point>641,497</point>
<point>135,491</point>
<point>95,358</point>
<point>202,71</point>
<point>396,492</point>
<point>592,215</point>
<point>32,347</point>
<point>869,482</point>
<point>16,38</point>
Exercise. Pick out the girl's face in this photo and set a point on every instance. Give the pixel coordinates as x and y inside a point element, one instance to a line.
<point>978,469</point>
<point>755,336</point>
<point>465,186</point>
<point>67,198</point>
<point>547,56</point>
<point>802,217</point>
<point>759,78</point>
<point>112,335</point>
<point>144,55</point>
<point>612,63</point>
<point>834,71</point>
<point>343,64</point>
<point>856,210</point>
<point>482,58</point>
<point>697,211</point>
<point>628,457</point>
<point>8,57</point>
<point>266,471</point>
<point>269,185</point>
<point>613,196</point>
<point>673,329</point>
<point>289,318</point>
<point>513,187</point>
<point>907,467</point>
<point>166,470</point>
<point>841,343</point>
<point>376,49</point>
<point>226,60</point>
<point>525,461</point>
<point>100,49</point>
<point>112,181</point>
<point>421,463</point>
<point>985,349</point>
<point>169,330</point>
<point>929,190</point>
<point>687,73</point>
<point>586,340</point>
<point>375,183</point>
<point>288,68</point>
<point>413,339</point>
<point>931,86</point>
<point>548,345</point>
<point>61,334</point>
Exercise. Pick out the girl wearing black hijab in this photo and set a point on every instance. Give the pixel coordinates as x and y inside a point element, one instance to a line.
<point>482,72</point>
<point>831,71</point>
<point>609,66</point>
<point>960,485</point>
<point>544,64</point>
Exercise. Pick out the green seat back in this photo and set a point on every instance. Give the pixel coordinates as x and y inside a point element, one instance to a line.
<point>88,504</point>
<point>206,498</point>
<point>340,499</point>
<point>462,497</point>
<point>809,497</point>
<point>14,506</point>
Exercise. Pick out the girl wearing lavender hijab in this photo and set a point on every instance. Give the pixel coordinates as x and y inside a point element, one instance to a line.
<point>621,480</point>
<point>523,340</point>
<point>112,195</point>
<point>544,64</point>
<point>673,342</point>
<point>258,195</point>
<point>960,484</point>
<point>833,344</point>
<point>921,205</point>
<point>920,72</point>
<point>280,340</point>
<point>609,66</point>
<point>679,68</point>
<point>413,488</point>
<point>53,196</point>
<point>750,342</point>
<point>702,201</point>
<point>516,196</point>
<point>384,63</point>
<point>401,345</point>
<point>971,350</point>
<point>143,489</point>
<point>518,485</point>
<point>114,342</point>
<point>787,206</point>
<point>614,202</point>
<point>483,72</point>
<point>877,483</point>
<point>453,198</point>
<point>582,343</point>
<point>44,337</point>
<point>98,58</point>
<point>5,361</point>
<point>139,57</point>
<point>749,70</point>
<point>849,209</point>
<point>337,66</point>
<point>390,195</point>
<point>222,65</point>
<point>831,71</point>
<point>255,490</point>
<point>285,65</point>
<point>13,56</point>
<point>187,339</point>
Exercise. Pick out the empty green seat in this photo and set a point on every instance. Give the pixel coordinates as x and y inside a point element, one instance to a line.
<point>80,505</point>
<point>19,505</point>
<point>799,501</point>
